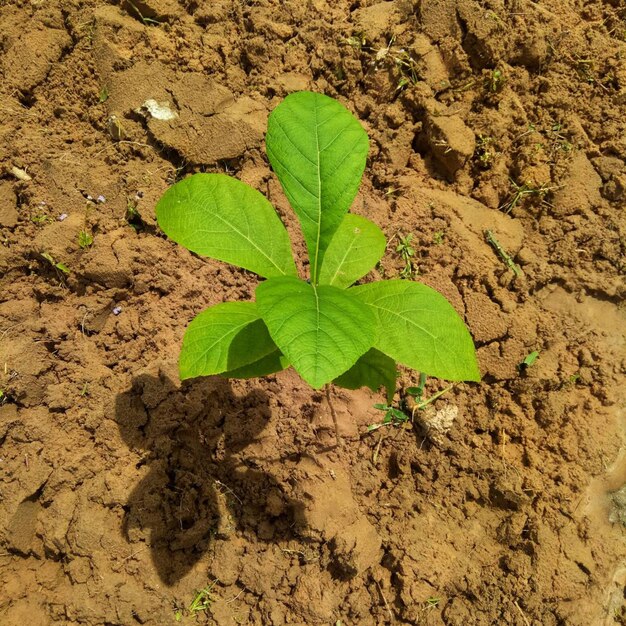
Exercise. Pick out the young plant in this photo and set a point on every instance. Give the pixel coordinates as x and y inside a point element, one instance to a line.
<point>326,328</point>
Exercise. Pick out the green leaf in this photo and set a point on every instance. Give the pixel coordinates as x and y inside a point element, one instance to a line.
<point>270,364</point>
<point>224,337</point>
<point>220,217</point>
<point>374,370</point>
<point>321,330</point>
<point>354,250</point>
<point>418,327</point>
<point>318,150</point>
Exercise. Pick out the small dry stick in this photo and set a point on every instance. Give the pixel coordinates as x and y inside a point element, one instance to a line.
<point>382,595</point>
<point>517,606</point>
<point>334,414</point>
<point>504,255</point>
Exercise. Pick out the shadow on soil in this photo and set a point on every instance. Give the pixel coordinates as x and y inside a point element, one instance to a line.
<point>197,488</point>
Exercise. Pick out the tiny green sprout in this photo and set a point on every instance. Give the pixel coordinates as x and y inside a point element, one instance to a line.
<point>103,95</point>
<point>85,390</point>
<point>132,214</point>
<point>484,151</point>
<point>202,600</point>
<point>495,81</point>
<point>407,253</point>
<point>357,41</point>
<point>528,361</point>
<point>323,324</point>
<point>85,239</point>
<point>432,602</point>
<point>42,218</point>
<point>146,20</point>
<point>56,264</point>
<point>438,237</point>
<point>393,417</point>
<point>418,392</point>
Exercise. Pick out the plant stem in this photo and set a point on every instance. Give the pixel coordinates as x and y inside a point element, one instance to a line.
<point>334,414</point>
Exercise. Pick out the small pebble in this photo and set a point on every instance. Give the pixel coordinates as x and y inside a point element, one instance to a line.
<point>89,197</point>
<point>117,310</point>
<point>101,199</point>
<point>62,217</point>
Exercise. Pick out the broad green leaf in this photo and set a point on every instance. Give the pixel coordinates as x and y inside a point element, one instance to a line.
<point>270,364</point>
<point>374,370</point>
<point>321,330</point>
<point>418,327</point>
<point>220,217</point>
<point>355,248</point>
<point>224,337</point>
<point>318,150</point>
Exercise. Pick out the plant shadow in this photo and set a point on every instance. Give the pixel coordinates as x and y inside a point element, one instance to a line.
<point>197,488</point>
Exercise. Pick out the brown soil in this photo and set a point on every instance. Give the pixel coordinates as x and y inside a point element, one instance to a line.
<point>123,492</point>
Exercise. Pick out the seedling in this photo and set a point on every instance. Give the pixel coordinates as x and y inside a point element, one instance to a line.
<point>528,361</point>
<point>202,600</point>
<point>103,96</point>
<point>393,417</point>
<point>432,603</point>
<point>132,214</point>
<point>520,192</point>
<point>42,218</point>
<point>406,253</point>
<point>438,237</point>
<point>56,264</point>
<point>328,330</point>
<point>484,151</point>
<point>85,239</point>
<point>396,416</point>
<point>495,81</point>
<point>146,20</point>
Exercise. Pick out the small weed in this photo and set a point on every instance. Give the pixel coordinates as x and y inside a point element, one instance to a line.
<point>40,219</point>
<point>103,96</point>
<point>393,417</point>
<point>528,361</point>
<point>56,264</point>
<point>84,392</point>
<point>406,252</point>
<point>85,239</point>
<point>418,393</point>
<point>403,60</point>
<point>87,30</point>
<point>397,416</point>
<point>438,237</point>
<point>557,142</point>
<point>432,602</point>
<point>358,41</point>
<point>570,381</point>
<point>202,600</point>
<point>485,151</point>
<point>495,81</point>
<point>520,192</point>
<point>146,20</point>
<point>132,214</point>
